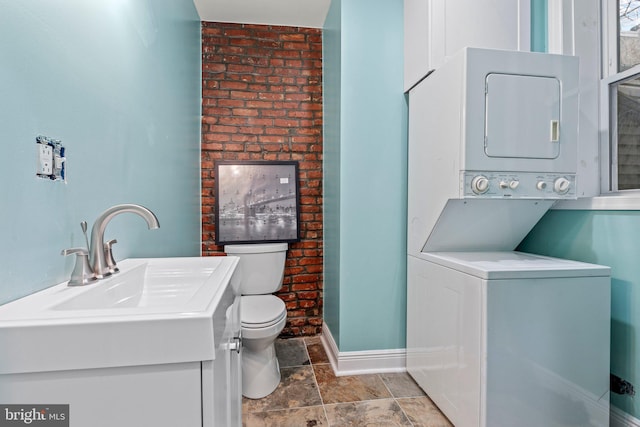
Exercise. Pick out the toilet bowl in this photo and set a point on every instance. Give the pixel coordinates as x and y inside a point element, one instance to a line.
<point>263,315</point>
<point>260,368</point>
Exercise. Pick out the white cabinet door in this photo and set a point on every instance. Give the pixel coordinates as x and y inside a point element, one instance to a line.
<point>165,395</point>
<point>416,41</point>
<point>233,365</point>
<point>221,377</point>
<point>436,29</point>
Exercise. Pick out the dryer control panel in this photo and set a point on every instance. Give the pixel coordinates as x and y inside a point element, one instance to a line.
<point>522,185</point>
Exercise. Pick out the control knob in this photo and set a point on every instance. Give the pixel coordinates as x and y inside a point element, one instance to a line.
<point>514,184</point>
<point>561,185</point>
<point>480,184</point>
<point>541,185</point>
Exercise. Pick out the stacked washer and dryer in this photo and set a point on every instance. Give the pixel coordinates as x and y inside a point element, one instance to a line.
<point>499,338</point>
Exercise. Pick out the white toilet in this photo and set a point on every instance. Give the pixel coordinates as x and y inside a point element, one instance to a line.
<point>263,315</point>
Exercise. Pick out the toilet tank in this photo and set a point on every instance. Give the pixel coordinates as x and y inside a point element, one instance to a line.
<point>261,266</point>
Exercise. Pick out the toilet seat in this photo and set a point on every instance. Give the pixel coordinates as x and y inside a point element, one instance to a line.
<point>261,311</point>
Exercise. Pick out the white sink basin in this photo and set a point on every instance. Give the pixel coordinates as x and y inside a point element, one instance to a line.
<point>157,310</point>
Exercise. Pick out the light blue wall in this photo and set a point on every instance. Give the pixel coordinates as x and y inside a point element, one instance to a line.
<point>539,31</point>
<point>331,53</point>
<point>608,238</point>
<point>118,82</point>
<point>365,173</point>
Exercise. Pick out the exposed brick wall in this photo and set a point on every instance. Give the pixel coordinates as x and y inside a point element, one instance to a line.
<point>262,100</point>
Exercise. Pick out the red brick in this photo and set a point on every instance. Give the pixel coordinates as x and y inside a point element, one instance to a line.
<point>208,31</point>
<point>236,94</point>
<point>244,138</point>
<point>297,37</point>
<point>233,85</point>
<point>217,93</point>
<point>270,96</point>
<point>274,113</point>
<point>291,305</point>
<point>233,147</point>
<point>231,50</point>
<point>307,295</point>
<point>237,32</point>
<point>288,296</point>
<point>286,122</point>
<point>245,112</point>
<point>214,68</point>
<point>315,321</point>
<point>271,143</point>
<point>242,42</point>
<point>297,97</point>
<point>300,114</point>
<point>223,129</point>
<point>295,318</point>
<point>256,121</point>
<point>296,46</point>
<point>314,268</point>
<point>304,139</point>
<point>295,63</point>
<point>305,285</point>
<point>286,54</point>
<point>257,87</point>
<point>252,130</point>
<point>268,44</point>
<point>277,131</point>
<point>213,112</point>
<point>264,34</point>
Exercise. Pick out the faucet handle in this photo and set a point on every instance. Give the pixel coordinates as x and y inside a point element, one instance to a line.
<point>108,254</point>
<point>82,273</point>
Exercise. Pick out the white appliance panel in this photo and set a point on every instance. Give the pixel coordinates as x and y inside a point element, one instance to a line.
<point>518,185</point>
<point>484,225</point>
<point>444,341</point>
<point>547,352</point>
<point>522,108</point>
<point>527,338</point>
<point>514,265</point>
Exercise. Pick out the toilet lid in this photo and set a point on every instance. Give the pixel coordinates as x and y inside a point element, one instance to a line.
<point>261,310</point>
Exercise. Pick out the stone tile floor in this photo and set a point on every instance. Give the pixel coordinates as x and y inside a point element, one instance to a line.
<point>310,394</point>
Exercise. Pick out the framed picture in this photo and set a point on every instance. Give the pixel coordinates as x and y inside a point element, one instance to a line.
<point>257,201</point>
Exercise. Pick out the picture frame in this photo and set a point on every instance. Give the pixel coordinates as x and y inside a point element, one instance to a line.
<point>256,202</point>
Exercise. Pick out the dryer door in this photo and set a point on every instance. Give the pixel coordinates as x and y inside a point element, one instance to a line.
<point>522,116</point>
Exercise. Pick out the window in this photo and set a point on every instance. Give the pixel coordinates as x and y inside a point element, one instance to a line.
<point>627,34</point>
<point>621,96</point>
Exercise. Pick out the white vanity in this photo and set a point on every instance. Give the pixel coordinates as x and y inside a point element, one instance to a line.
<point>154,345</point>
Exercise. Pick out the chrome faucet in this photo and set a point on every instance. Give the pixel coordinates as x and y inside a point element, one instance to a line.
<point>97,253</point>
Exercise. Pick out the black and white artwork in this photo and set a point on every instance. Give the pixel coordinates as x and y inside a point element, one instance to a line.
<point>256,201</point>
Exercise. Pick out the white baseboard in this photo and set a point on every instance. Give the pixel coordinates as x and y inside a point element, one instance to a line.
<point>619,418</point>
<point>362,362</point>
